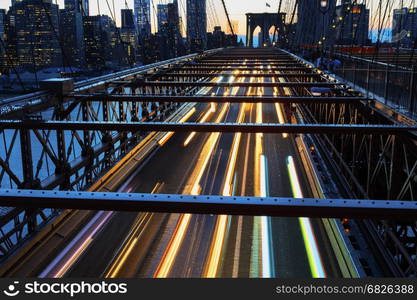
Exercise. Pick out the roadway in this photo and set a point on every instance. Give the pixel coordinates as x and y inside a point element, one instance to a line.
<point>183,245</point>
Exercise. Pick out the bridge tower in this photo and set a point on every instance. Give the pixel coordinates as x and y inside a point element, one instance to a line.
<point>265,21</point>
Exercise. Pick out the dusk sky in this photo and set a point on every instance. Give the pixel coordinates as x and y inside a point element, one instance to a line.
<point>237,9</point>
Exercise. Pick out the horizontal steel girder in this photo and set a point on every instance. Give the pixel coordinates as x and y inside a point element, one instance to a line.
<point>248,56</point>
<point>238,84</point>
<point>245,62</point>
<point>286,69</point>
<point>249,64</point>
<point>228,75</point>
<point>216,99</point>
<point>253,206</point>
<point>208,127</point>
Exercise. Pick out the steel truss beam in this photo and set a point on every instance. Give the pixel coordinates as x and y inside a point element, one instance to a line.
<point>250,64</point>
<point>253,57</point>
<point>247,62</point>
<point>268,206</point>
<point>238,84</point>
<point>208,127</point>
<point>228,75</point>
<point>216,99</point>
<point>286,69</point>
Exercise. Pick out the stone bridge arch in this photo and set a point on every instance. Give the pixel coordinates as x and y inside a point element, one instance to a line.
<point>265,21</point>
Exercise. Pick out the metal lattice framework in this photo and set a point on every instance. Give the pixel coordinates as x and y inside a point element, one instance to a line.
<point>54,159</point>
<point>83,131</point>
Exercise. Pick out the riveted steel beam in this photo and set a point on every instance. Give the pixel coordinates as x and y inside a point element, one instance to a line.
<point>253,206</point>
<point>208,127</point>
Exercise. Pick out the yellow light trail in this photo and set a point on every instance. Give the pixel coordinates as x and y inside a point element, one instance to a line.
<point>258,148</point>
<point>134,237</point>
<point>168,135</point>
<point>216,247</point>
<point>178,236</point>
<point>278,108</point>
<point>227,191</point>
<point>211,110</point>
<point>168,259</point>
<point>207,115</point>
<point>207,152</point>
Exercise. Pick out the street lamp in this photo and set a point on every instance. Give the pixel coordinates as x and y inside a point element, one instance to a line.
<point>324,9</point>
<point>324,6</point>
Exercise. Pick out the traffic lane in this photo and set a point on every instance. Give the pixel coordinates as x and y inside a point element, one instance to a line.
<point>135,249</point>
<point>193,248</point>
<point>278,148</point>
<point>189,262</point>
<point>238,250</point>
<point>236,259</point>
<point>289,250</point>
<point>95,259</point>
<point>196,245</point>
<point>328,257</point>
<point>107,243</point>
<point>169,182</point>
<point>167,266</point>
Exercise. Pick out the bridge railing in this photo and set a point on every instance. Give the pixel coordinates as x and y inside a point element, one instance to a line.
<point>393,85</point>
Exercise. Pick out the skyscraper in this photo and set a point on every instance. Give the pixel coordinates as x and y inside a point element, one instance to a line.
<point>33,33</point>
<point>95,42</point>
<point>71,27</point>
<point>3,38</point>
<point>142,11</point>
<point>129,38</point>
<point>79,6</point>
<point>196,24</point>
<point>162,16</point>
<point>313,22</point>
<point>127,18</point>
<point>354,28</point>
<point>2,22</point>
<point>171,44</point>
<point>404,27</point>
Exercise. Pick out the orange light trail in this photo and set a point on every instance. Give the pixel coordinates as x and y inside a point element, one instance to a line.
<point>168,135</point>
<point>211,110</point>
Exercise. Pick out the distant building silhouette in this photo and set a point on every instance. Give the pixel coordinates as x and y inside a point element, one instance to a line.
<point>99,42</point>
<point>129,38</point>
<point>196,25</point>
<point>171,42</point>
<point>219,39</point>
<point>142,12</point>
<point>32,34</point>
<point>313,24</point>
<point>354,27</point>
<point>404,27</point>
<point>162,16</point>
<point>72,36</point>
<point>79,6</point>
<point>127,18</point>
<point>2,23</point>
<point>3,38</point>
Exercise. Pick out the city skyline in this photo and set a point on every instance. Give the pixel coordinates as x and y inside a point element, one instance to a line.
<point>236,8</point>
<point>147,140</point>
